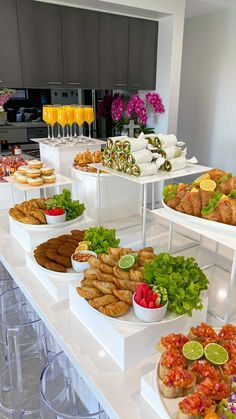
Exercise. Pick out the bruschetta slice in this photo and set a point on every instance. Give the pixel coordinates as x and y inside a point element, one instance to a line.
<point>178,382</point>
<point>171,341</point>
<point>203,333</point>
<point>170,359</point>
<point>203,369</point>
<point>215,389</point>
<point>227,333</point>
<point>195,406</point>
<point>228,371</point>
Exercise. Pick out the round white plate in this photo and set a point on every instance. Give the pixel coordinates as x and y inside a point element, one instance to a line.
<point>69,275</point>
<point>213,226</point>
<point>46,227</point>
<point>130,320</point>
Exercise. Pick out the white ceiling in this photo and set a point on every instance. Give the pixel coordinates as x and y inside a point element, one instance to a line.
<point>201,7</point>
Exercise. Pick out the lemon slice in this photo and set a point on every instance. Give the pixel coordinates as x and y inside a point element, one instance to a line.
<point>192,350</point>
<point>208,185</point>
<point>85,242</point>
<point>81,247</point>
<point>216,354</point>
<point>201,178</point>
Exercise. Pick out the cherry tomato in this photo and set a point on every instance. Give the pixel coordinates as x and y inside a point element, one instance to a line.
<point>211,416</point>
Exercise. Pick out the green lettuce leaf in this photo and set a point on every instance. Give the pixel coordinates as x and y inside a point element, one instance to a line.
<point>209,208</point>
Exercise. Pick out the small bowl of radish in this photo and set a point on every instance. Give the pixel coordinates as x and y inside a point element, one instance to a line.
<point>55,215</point>
<point>150,306</point>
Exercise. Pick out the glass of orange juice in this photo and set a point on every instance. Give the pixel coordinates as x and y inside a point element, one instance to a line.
<point>46,118</point>
<point>89,117</point>
<point>70,109</point>
<point>52,117</point>
<point>62,120</point>
<point>79,116</point>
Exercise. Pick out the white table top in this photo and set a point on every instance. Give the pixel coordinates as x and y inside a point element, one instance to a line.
<point>118,391</point>
<point>69,145</point>
<point>60,180</point>
<point>226,240</point>
<point>191,169</point>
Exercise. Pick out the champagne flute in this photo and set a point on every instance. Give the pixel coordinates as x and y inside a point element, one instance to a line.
<point>62,120</point>
<point>70,118</point>
<point>52,117</point>
<point>89,117</point>
<point>79,116</point>
<point>46,118</point>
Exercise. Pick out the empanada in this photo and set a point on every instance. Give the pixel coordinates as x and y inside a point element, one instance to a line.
<point>39,215</point>
<point>94,263</point>
<point>120,273</point>
<point>88,292</point>
<point>104,287</point>
<point>30,220</point>
<point>105,277</point>
<point>107,259</point>
<point>116,309</point>
<point>91,274</point>
<point>102,301</point>
<point>86,283</point>
<point>123,284</point>
<point>136,275</point>
<point>124,295</point>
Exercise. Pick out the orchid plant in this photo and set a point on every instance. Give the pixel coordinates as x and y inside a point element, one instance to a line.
<point>5,95</point>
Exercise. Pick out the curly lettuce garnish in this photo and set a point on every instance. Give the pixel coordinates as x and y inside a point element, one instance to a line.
<point>232,194</point>
<point>209,208</point>
<point>170,191</point>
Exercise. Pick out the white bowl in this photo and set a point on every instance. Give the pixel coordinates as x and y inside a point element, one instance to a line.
<point>149,315</point>
<point>81,266</point>
<point>55,219</point>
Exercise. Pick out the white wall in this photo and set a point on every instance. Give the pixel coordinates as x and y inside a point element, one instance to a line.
<point>207,110</point>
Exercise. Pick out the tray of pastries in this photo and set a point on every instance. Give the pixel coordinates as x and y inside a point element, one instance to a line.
<point>34,173</point>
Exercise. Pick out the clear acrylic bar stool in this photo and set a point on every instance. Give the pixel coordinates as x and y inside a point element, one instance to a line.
<point>64,395</point>
<point>6,284</point>
<point>23,356</point>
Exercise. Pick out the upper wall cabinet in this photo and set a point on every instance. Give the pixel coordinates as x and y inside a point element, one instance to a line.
<point>10,63</point>
<point>41,46</point>
<point>142,54</point>
<point>114,35</point>
<point>80,37</point>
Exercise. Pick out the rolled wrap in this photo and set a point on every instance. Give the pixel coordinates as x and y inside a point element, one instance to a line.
<point>161,140</point>
<point>144,169</point>
<point>140,156</point>
<point>134,144</point>
<point>170,152</point>
<point>174,164</point>
<point>111,142</point>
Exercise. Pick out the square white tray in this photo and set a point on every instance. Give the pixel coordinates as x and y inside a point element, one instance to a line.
<point>58,288</point>
<point>125,343</point>
<point>29,239</point>
<point>152,397</point>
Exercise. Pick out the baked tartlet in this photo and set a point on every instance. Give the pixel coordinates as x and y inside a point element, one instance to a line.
<point>21,179</point>
<point>47,171</point>
<point>33,173</point>
<point>38,181</point>
<point>22,170</point>
<point>35,164</point>
<point>49,179</point>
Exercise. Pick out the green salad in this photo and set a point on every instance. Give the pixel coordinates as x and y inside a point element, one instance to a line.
<point>181,277</point>
<point>101,239</point>
<point>63,200</point>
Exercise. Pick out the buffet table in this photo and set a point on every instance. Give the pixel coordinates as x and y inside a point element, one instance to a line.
<point>162,176</point>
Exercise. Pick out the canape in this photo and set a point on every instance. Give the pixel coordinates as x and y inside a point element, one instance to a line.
<point>195,406</point>
<point>170,359</point>
<point>228,371</point>
<point>215,389</point>
<point>203,369</point>
<point>227,333</point>
<point>177,382</point>
<point>203,333</point>
<point>173,340</point>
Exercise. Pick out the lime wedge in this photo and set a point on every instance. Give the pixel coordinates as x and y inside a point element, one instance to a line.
<point>126,262</point>
<point>192,350</point>
<point>135,255</point>
<point>216,354</point>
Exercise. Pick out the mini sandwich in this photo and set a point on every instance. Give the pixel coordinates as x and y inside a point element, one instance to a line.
<point>33,173</point>
<point>49,179</point>
<point>21,179</point>
<point>195,406</point>
<point>177,382</point>
<point>35,182</point>
<point>35,164</point>
<point>22,170</point>
<point>47,171</point>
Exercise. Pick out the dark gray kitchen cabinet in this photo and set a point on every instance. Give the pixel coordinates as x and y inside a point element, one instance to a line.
<point>142,53</point>
<point>80,40</point>
<point>10,62</point>
<point>41,44</point>
<point>114,35</point>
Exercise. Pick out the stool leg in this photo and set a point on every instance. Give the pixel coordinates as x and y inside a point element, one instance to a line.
<point>15,369</point>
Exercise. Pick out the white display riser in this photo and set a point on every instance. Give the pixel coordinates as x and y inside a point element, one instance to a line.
<point>29,239</point>
<point>129,345</point>
<point>57,288</point>
<point>152,397</point>
<point>61,158</point>
<point>7,199</point>
<point>119,198</point>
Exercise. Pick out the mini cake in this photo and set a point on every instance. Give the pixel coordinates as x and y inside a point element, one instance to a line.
<point>22,170</point>
<point>47,171</point>
<point>38,181</point>
<point>21,178</point>
<point>49,179</point>
<point>35,164</point>
<point>33,173</point>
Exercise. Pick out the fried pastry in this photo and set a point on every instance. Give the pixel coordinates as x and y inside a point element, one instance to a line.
<point>120,273</point>
<point>39,215</point>
<point>91,274</point>
<point>62,260</point>
<point>56,267</point>
<point>116,309</point>
<point>88,292</point>
<point>102,301</point>
<point>107,259</point>
<point>104,287</point>
<point>78,234</point>
<point>136,275</point>
<point>105,277</point>
<point>124,295</point>
<point>87,283</point>
<point>41,203</point>
<point>30,220</point>
<point>42,260</point>
<point>123,284</point>
<point>148,249</point>
<point>16,214</point>
<point>94,263</point>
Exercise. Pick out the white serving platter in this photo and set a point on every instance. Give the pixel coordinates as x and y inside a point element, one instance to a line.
<point>214,226</point>
<point>129,342</point>
<point>47,227</point>
<point>59,276</point>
